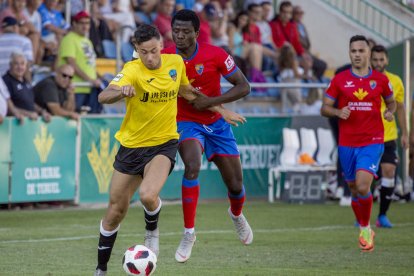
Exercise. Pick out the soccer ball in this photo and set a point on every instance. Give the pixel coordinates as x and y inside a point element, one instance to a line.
<point>139,260</point>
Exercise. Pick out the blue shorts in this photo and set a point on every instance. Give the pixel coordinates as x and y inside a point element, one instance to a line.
<point>365,158</point>
<point>215,139</point>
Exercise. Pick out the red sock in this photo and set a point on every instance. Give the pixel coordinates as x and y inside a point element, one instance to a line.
<point>236,202</point>
<point>190,190</point>
<point>365,207</point>
<point>356,208</point>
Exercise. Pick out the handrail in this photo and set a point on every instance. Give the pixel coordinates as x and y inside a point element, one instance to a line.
<point>364,13</point>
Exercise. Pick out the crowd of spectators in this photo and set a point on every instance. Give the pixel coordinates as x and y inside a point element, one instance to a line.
<point>268,45</point>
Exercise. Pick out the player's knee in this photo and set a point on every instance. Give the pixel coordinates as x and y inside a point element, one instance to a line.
<point>148,197</point>
<point>115,216</point>
<point>192,169</point>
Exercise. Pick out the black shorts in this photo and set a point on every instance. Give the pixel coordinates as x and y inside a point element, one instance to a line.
<point>390,154</point>
<point>132,161</point>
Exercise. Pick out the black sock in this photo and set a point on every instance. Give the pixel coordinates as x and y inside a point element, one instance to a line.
<point>385,199</point>
<point>104,250</point>
<point>151,221</point>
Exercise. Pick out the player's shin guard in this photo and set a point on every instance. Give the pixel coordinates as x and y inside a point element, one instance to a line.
<point>151,217</point>
<point>365,203</point>
<point>386,191</point>
<point>106,243</point>
<point>356,208</point>
<point>236,202</point>
<point>190,192</point>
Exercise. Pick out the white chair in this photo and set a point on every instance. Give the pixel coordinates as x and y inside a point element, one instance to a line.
<point>308,141</point>
<point>326,144</point>
<point>289,155</point>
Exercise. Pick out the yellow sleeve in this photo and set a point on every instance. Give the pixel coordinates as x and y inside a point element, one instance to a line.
<point>398,88</point>
<point>126,76</point>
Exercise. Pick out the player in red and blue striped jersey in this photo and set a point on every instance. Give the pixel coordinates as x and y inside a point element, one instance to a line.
<point>358,92</point>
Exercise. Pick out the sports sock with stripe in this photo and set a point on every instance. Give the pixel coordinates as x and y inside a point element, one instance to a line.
<point>236,202</point>
<point>365,208</point>
<point>105,245</point>
<point>190,191</point>
<point>151,217</point>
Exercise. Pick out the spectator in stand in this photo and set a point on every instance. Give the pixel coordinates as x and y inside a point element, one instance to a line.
<point>163,21</point>
<point>121,13</point>
<point>99,30</point>
<point>77,50</point>
<point>54,26</point>
<point>218,21</point>
<point>33,14</point>
<point>11,41</point>
<point>21,92</point>
<point>250,52</point>
<point>291,72</point>
<point>145,11</point>
<point>242,51</point>
<point>268,11</point>
<point>56,93</point>
<point>204,35</point>
<point>6,105</point>
<point>25,27</point>
<point>319,66</point>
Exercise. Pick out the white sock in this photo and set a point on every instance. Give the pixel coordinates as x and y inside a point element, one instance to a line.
<point>151,213</point>
<point>108,233</point>
<point>189,230</point>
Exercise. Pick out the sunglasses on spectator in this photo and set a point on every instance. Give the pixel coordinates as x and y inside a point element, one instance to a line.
<point>67,76</point>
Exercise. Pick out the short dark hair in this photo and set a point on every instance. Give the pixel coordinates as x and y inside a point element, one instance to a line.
<point>284,4</point>
<point>145,33</point>
<point>379,49</point>
<point>187,15</point>
<point>358,38</point>
<point>251,6</point>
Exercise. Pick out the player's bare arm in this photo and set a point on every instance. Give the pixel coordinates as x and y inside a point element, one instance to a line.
<point>240,89</point>
<point>391,107</point>
<point>190,93</point>
<point>328,109</point>
<point>114,93</point>
<point>402,123</point>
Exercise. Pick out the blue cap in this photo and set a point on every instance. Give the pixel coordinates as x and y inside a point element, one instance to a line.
<point>8,21</point>
<point>210,10</point>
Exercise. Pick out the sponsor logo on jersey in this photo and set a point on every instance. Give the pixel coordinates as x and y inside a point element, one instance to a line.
<point>173,74</point>
<point>199,68</point>
<point>150,80</point>
<point>360,94</point>
<point>118,77</point>
<point>349,84</point>
<point>229,63</point>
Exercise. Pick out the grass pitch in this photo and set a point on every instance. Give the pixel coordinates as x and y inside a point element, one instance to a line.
<point>288,240</point>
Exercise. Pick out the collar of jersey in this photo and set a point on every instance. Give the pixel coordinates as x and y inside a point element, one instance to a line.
<point>193,55</point>
<point>364,77</point>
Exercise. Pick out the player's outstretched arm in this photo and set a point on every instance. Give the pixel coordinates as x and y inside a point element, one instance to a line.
<point>114,93</point>
<point>190,93</point>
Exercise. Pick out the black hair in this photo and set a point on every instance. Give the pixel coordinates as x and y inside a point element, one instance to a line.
<point>187,15</point>
<point>379,49</point>
<point>284,4</point>
<point>250,7</point>
<point>358,38</point>
<point>145,33</point>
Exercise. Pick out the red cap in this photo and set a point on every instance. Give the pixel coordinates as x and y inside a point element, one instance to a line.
<point>80,15</point>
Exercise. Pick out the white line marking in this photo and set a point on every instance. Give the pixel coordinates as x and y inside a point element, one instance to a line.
<point>208,232</point>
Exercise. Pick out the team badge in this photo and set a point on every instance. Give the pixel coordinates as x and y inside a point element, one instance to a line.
<point>372,84</point>
<point>199,68</point>
<point>173,74</point>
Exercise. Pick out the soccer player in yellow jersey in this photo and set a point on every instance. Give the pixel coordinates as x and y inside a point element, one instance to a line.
<point>148,135</point>
<point>389,160</point>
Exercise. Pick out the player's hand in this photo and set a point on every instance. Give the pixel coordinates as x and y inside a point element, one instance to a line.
<point>388,115</point>
<point>46,116</point>
<point>232,117</point>
<point>344,113</point>
<point>128,91</point>
<point>201,102</point>
<point>33,116</point>
<point>404,141</point>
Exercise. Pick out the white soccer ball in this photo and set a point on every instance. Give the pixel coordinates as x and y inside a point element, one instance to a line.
<point>139,260</point>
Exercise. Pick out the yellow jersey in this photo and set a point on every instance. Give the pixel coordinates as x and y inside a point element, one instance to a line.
<point>390,128</point>
<point>150,118</point>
